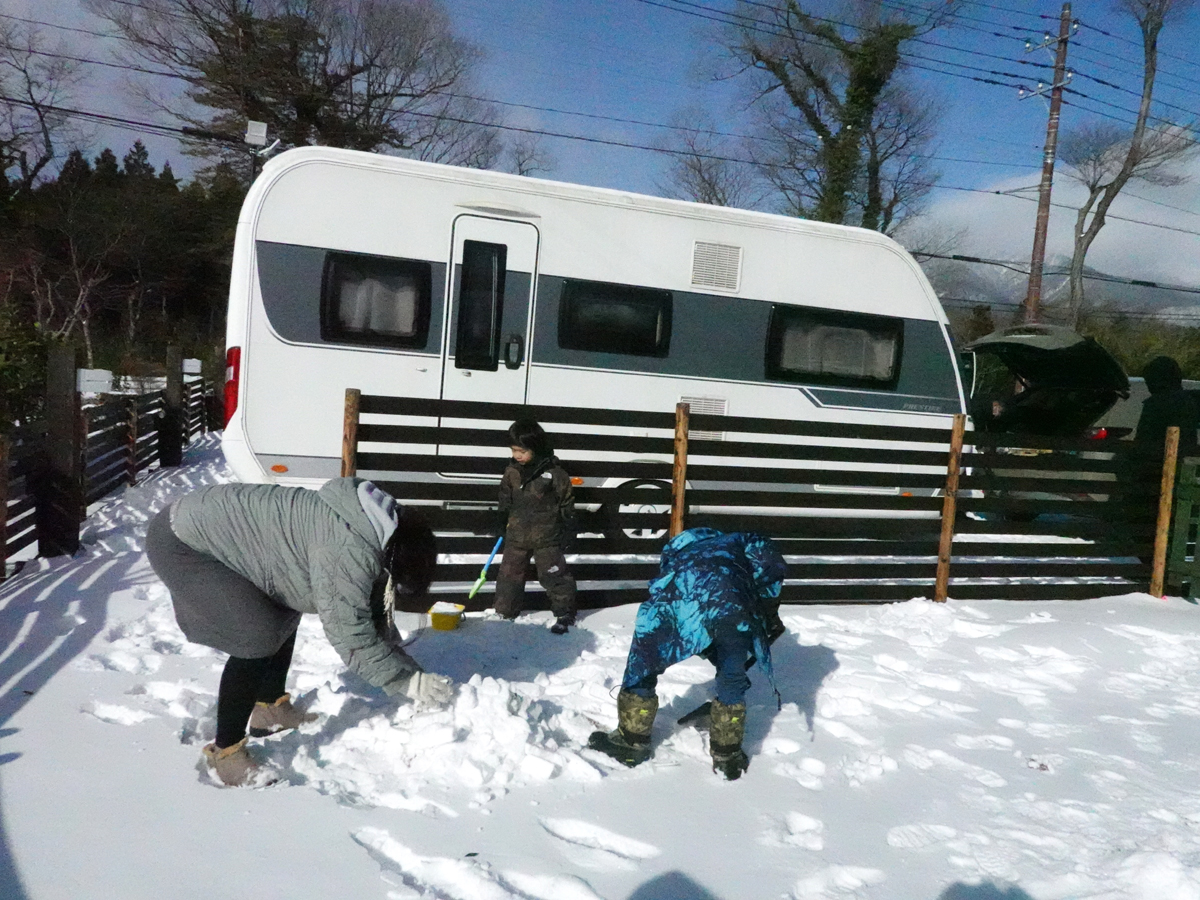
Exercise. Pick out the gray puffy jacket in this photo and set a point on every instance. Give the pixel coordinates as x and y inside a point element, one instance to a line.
<point>315,552</point>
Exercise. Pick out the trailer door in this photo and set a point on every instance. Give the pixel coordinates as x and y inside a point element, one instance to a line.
<point>492,275</point>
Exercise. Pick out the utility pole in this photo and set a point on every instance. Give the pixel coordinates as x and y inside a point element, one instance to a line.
<point>1033,296</point>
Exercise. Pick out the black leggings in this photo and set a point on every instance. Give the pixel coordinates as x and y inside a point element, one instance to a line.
<point>245,682</point>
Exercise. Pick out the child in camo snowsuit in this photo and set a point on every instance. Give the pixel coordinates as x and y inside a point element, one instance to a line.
<point>537,516</point>
<point>716,598</point>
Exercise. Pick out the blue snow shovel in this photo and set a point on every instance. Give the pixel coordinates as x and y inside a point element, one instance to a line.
<point>483,573</point>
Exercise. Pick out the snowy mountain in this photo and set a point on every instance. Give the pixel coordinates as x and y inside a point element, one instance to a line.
<point>959,281</point>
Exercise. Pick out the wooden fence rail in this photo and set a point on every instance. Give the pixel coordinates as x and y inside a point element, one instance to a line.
<point>115,440</point>
<point>864,513</point>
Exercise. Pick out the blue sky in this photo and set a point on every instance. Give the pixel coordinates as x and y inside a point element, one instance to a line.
<point>649,59</point>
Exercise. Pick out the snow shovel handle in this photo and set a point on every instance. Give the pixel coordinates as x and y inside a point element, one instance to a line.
<point>495,550</point>
<point>483,573</point>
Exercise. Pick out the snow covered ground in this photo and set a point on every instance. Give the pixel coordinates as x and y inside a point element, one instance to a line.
<point>966,751</point>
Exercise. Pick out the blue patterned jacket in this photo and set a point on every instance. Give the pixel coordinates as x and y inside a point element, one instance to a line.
<point>708,576</point>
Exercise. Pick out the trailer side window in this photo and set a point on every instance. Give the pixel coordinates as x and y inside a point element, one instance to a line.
<point>614,318</point>
<point>826,347</point>
<point>375,300</point>
<point>480,306</point>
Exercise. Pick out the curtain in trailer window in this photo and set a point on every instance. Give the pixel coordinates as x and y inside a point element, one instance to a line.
<point>480,306</point>
<point>831,347</point>
<point>381,304</point>
<point>375,300</point>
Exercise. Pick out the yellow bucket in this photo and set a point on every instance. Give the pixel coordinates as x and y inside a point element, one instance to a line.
<point>444,616</point>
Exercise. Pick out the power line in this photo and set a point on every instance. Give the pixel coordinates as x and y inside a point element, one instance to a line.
<point>1128,193</point>
<point>128,67</point>
<point>1009,9</point>
<point>546,109</point>
<point>1138,94</point>
<point>959,17</point>
<point>63,27</point>
<point>750,24</point>
<point>194,133</point>
<point>1125,40</point>
<point>1098,276</point>
<point>1099,58</point>
<point>1168,317</point>
<point>122,122</point>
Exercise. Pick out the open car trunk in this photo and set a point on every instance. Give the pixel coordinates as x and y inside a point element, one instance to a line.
<point>1041,379</point>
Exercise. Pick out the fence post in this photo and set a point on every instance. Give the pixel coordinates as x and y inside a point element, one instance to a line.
<point>172,424</point>
<point>679,470</point>
<point>4,457</point>
<point>59,481</point>
<point>350,433</point>
<point>131,439</point>
<point>949,510</point>
<point>1166,493</point>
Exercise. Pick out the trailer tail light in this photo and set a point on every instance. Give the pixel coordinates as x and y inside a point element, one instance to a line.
<point>233,371</point>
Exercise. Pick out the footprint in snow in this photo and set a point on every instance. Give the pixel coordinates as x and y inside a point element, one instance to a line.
<point>919,836</point>
<point>115,714</point>
<point>594,847</point>
<point>923,758</point>
<point>798,830</point>
<point>463,879</point>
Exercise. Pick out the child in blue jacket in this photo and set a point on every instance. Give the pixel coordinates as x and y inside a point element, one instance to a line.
<point>716,597</point>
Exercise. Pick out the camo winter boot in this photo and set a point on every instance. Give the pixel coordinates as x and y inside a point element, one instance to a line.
<point>725,739</point>
<point>270,718</point>
<point>630,743</point>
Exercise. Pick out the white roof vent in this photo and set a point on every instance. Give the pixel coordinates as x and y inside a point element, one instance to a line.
<point>716,266</point>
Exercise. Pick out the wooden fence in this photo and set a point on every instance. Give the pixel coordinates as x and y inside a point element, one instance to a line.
<point>862,512</point>
<point>113,441</point>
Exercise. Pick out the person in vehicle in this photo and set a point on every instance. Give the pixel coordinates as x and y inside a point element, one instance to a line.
<point>717,598</point>
<point>536,517</point>
<point>243,562</point>
<point>1168,404</point>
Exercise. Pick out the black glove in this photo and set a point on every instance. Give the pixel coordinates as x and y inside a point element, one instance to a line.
<point>499,524</point>
<point>775,627</point>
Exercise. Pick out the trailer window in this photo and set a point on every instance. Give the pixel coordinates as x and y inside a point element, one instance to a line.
<point>614,318</point>
<point>480,306</point>
<point>375,300</point>
<point>825,347</point>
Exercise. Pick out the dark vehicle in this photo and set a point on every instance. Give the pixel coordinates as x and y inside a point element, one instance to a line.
<point>1041,379</point>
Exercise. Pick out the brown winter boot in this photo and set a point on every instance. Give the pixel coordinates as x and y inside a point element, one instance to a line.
<point>630,743</point>
<point>271,718</point>
<point>725,739</point>
<point>235,766</point>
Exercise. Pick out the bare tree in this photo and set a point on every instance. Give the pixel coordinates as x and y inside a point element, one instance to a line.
<point>822,85</point>
<point>704,165</point>
<point>32,85</point>
<point>363,74</point>
<point>458,131</point>
<point>76,227</point>
<point>1104,158</point>
<point>527,155</point>
<point>897,171</point>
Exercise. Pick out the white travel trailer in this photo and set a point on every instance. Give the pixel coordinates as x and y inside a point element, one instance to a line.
<point>406,278</point>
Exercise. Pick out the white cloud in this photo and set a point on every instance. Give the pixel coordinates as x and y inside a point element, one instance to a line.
<point>1002,227</point>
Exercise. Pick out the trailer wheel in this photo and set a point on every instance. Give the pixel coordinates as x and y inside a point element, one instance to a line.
<point>638,496</point>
